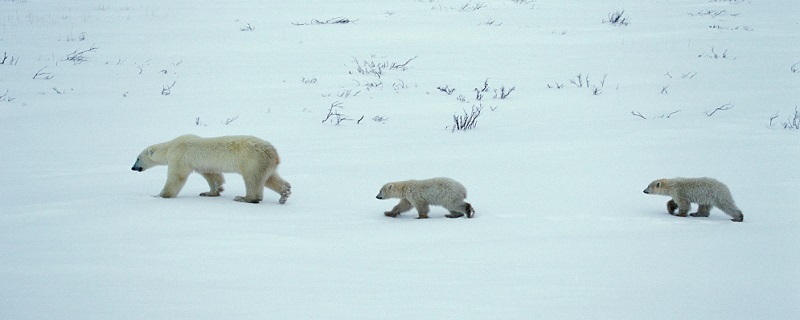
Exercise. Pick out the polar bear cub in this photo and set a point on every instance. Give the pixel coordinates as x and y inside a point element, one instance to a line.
<point>706,192</point>
<point>420,194</point>
<point>255,159</point>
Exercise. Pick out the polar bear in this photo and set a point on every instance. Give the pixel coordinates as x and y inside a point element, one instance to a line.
<point>420,194</point>
<point>255,159</point>
<point>706,192</point>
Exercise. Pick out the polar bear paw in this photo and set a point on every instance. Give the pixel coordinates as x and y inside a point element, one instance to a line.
<point>284,195</point>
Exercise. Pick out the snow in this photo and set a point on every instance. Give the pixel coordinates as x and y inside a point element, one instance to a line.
<point>562,228</point>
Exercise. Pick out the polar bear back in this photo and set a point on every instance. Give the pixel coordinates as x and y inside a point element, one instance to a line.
<point>436,191</point>
<point>222,154</point>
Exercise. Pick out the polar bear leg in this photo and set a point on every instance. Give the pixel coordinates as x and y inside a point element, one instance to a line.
<point>672,206</point>
<point>460,210</point>
<point>731,210</point>
<point>277,184</point>
<point>254,181</point>
<point>215,182</point>
<point>702,211</point>
<point>683,207</point>
<point>401,207</point>
<point>422,209</point>
<point>176,178</point>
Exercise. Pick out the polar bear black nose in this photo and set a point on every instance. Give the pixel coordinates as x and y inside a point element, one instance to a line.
<point>378,197</point>
<point>136,169</point>
<point>645,191</point>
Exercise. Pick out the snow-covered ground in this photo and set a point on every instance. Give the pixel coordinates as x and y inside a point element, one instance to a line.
<point>555,170</point>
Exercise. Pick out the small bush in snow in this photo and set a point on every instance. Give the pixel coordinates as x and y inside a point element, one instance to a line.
<point>371,67</point>
<point>469,6</point>
<point>724,107</point>
<point>715,55</point>
<point>230,120</point>
<point>617,18</point>
<point>308,80</point>
<point>167,89</point>
<point>503,93</point>
<point>446,89</point>
<point>5,97</point>
<point>666,115</point>
<point>466,121</point>
<point>247,27</point>
<point>11,61</point>
<point>795,68</point>
<point>43,75</point>
<point>335,116</point>
<point>792,122</point>
<point>80,56</point>
<point>337,20</point>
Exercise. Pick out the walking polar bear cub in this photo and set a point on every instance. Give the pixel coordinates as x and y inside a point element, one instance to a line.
<point>420,194</point>
<point>255,159</point>
<point>706,192</point>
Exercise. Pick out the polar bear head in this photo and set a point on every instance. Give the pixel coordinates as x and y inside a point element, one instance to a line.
<point>149,158</point>
<point>659,187</point>
<point>388,191</point>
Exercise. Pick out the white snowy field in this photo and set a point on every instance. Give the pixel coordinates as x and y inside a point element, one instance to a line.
<point>555,170</point>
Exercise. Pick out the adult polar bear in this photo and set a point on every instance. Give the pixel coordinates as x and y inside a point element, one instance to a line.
<point>255,159</point>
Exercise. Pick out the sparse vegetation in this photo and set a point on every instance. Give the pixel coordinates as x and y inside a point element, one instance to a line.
<point>792,122</point>
<point>230,120</point>
<point>446,89</point>
<point>11,61</point>
<point>617,18</point>
<point>470,6</point>
<point>5,97</point>
<point>795,68</point>
<point>80,56</point>
<point>503,93</point>
<point>662,116</point>
<point>371,67</point>
<point>247,27</point>
<point>43,75</point>
<point>715,55</point>
<point>337,20</point>
<point>724,107</point>
<point>167,89</point>
<point>308,80</point>
<point>335,116</point>
<point>583,81</point>
<point>467,121</point>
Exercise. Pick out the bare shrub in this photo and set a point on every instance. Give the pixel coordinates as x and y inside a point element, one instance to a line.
<point>467,121</point>
<point>80,56</point>
<point>167,89</point>
<point>43,75</point>
<point>665,115</point>
<point>446,89</point>
<point>792,122</point>
<point>335,116</point>
<point>716,55</point>
<point>371,67</point>
<point>617,18</point>
<point>11,61</point>
<point>337,20</point>
<point>724,107</point>
<point>5,97</point>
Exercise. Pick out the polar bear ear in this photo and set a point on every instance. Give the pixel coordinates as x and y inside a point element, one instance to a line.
<point>389,186</point>
<point>150,151</point>
<point>658,184</point>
